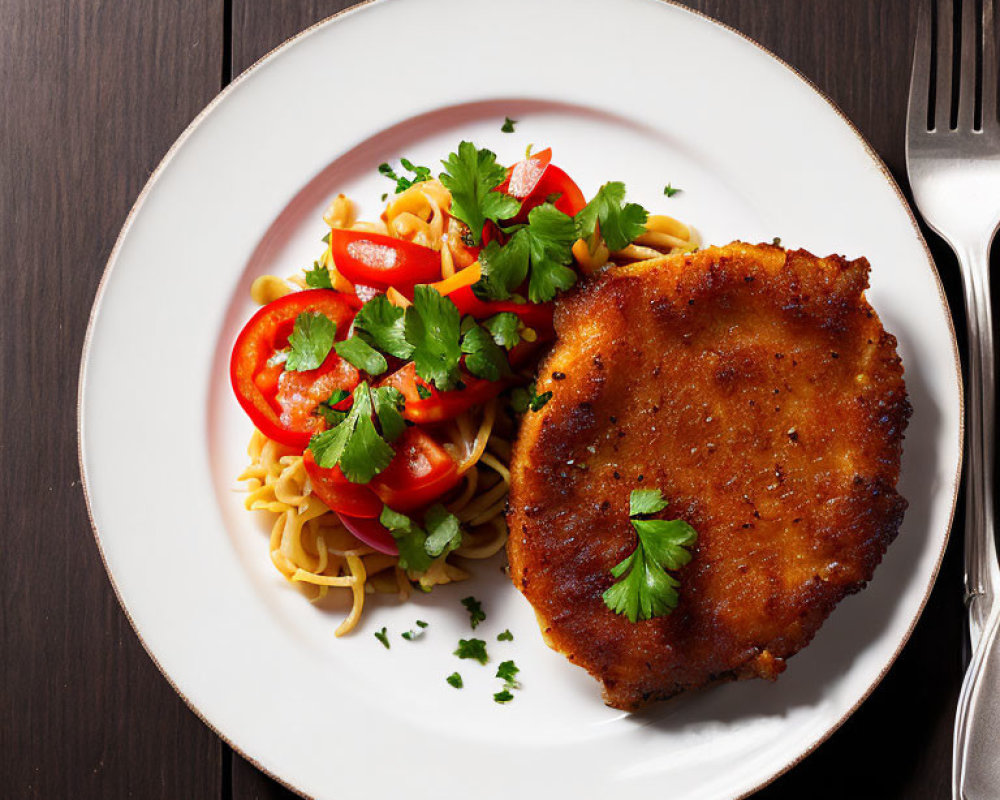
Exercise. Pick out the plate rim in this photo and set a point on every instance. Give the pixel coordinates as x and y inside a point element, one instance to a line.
<point>182,138</point>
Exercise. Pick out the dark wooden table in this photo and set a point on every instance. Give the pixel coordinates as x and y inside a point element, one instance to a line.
<point>92,94</point>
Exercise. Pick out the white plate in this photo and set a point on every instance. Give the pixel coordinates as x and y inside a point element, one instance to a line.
<point>633,90</point>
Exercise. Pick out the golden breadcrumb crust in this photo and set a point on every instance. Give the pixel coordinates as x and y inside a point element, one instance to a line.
<point>758,390</point>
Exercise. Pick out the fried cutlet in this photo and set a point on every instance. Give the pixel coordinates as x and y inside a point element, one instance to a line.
<point>757,389</point>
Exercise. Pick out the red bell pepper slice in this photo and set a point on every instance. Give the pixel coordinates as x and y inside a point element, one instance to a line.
<point>439,406</point>
<point>537,316</point>
<point>376,260</point>
<point>281,403</point>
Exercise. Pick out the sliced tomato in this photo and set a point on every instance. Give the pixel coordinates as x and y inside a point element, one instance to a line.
<point>437,406</point>
<point>523,177</point>
<point>535,315</point>
<point>419,473</point>
<point>380,261</point>
<point>535,179</point>
<point>338,493</point>
<point>365,293</point>
<point>281,403</point>
<point>299,393</point>
<point>371,532</point>
<point>554,182</point>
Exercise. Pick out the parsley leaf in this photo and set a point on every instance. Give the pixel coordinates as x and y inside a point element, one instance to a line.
<point>328,446</point>
<point>331,415</point>
<point>665,540</point>
<point>337,397</point>
<point>366,453</point>
<point>484,358</point>
<point>432,327</point>
<point>507,672</point>
<point>551,235</point>
<point>502,268</point>
<point>503,327</point>
<point>670,191</point>
<point>319,276</point>
<point>402,182</point>
<point>471,175</point>
<point>354,443</point>
<point>444,533</point>
<point>326,410</point>
<point>503,697</point>
<point>417,547</point>
<point>423,392</point>
<point>411,634</point>
<point>472,648</point>
<point>508,125</point>
<point>545,245</point>
<point>357,352</point>
<point>455,680</point>
<point>389,404</point>
<point>383,637</point>
<point>620,222</point>
<point>538,400</point>
<point>381,324</point>
<point>645,501</point>
<point>506,636</point>
<point>524,397</point>
<point>645,589</point>
<point>311,341</point>
<point>410,539</point>
<point>475,609</point>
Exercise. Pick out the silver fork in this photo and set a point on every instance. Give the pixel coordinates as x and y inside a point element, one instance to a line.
<point>953,160</point>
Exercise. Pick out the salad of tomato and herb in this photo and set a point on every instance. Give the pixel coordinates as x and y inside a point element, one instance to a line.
<point>362,377</point>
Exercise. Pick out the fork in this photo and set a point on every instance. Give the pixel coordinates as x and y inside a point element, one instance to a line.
<point>953,161</point>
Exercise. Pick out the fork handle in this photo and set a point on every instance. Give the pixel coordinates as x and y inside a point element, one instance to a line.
<point>981,572</point>
<point>976,770</point>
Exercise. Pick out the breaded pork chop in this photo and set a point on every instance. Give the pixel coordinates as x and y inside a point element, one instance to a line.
<point>758,390</point>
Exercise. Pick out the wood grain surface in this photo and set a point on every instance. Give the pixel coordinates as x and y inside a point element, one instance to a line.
<point>92,94</point>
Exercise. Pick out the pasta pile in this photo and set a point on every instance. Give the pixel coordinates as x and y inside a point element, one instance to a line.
<point>308,544</point>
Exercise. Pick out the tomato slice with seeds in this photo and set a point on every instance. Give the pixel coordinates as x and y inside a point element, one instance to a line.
<point>338,493</point>
<point>279,402</point>
<point>380,261</point>
<point>419,473</point>
<point>299,393</point>
<point>535,179</point>
<point>523,177</point>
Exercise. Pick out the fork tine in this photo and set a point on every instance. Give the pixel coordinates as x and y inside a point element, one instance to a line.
<point>967,69</point>
<point>942,102</point>
<point>990,67</point>
<point>920,79</point>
